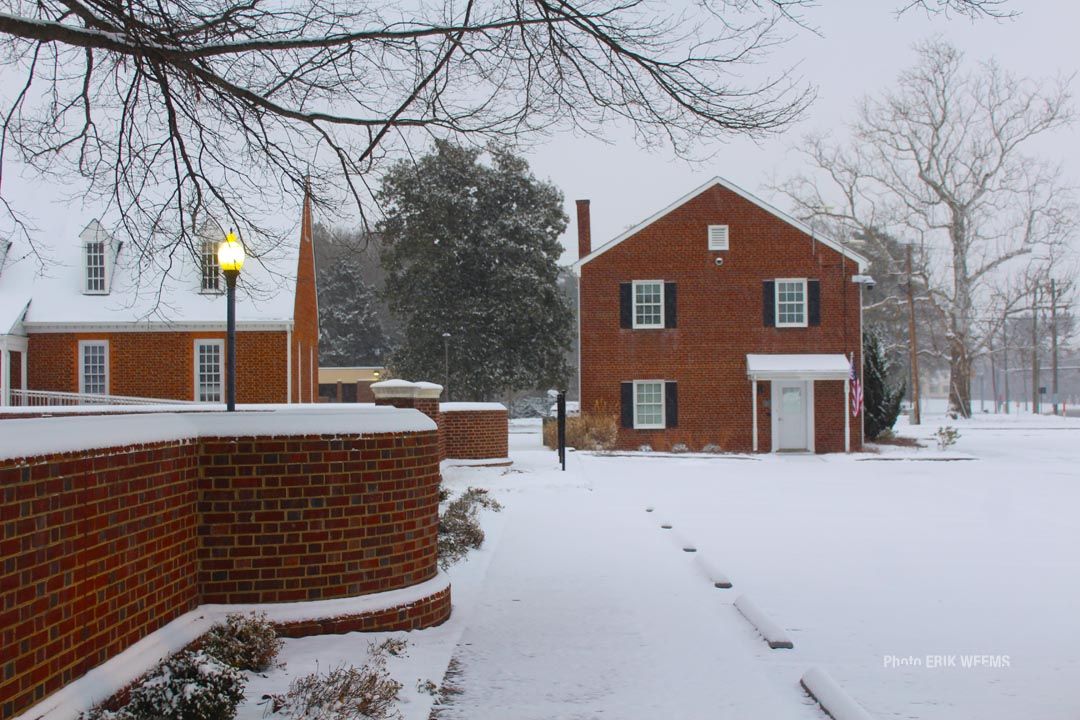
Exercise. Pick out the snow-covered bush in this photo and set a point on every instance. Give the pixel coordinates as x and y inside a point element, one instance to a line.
<point>946,437</point>
<point>711,448</point>
<point>344,693</point>
<point>644,448</point>
<point>247,642</point>
<point>679,448</point>
<point>187,686</point>
<point>459,525</point>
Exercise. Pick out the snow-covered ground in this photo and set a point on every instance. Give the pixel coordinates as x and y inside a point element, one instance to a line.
<point>894,572</point>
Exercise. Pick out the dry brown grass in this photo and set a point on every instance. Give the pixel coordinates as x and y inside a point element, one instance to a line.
<point>594,429</point>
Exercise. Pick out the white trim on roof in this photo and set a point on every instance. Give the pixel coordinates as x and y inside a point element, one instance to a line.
<point>798,224</point>
<point>159,326</point>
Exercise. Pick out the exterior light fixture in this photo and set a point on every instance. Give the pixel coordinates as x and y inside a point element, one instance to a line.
<point>231,259</point>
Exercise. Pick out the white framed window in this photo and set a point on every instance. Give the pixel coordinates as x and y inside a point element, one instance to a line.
<point>95,267</point>
<point>791,302</point>
<point>718,237</point>
<point>211,270</point>
<point>648,303</point>
<point>94,367</point>
<point>209,370</point>
<point>648,404</point>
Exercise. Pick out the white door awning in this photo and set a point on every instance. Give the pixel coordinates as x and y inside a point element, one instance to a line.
<point>798,367</point>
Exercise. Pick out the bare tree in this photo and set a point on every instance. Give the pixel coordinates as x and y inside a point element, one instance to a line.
<point>939,161</point>
<point>171,111</point>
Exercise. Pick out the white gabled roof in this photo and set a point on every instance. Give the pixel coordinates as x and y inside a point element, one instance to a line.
<point>798,224</point>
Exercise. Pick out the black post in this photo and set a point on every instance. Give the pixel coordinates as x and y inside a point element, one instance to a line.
<point>446,364</point>
<point>561,412</point>
<point>230,282</point>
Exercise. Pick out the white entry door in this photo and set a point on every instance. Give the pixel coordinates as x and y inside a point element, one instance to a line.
<point>790,402</point>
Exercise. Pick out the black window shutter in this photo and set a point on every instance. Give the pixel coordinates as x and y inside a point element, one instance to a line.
<point>628,404</point>
<point>626,305</point>
<point>813,302</point>
<point>671,302</point>
<point>768,303</point>
<point>671,404</point>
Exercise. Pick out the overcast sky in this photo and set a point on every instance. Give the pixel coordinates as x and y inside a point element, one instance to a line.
<point>862,48</point>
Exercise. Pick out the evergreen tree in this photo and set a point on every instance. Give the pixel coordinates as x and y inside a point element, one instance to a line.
<point>351,333</point>
<point>881,399</point>
<point>471,249</point>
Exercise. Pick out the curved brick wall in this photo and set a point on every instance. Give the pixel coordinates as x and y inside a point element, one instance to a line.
<point>313,518</point>
<point>474,434</point>
<point>99,548</point>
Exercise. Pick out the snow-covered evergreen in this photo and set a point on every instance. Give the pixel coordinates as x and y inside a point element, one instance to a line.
<point>471,249</point>
<point>351,333</point>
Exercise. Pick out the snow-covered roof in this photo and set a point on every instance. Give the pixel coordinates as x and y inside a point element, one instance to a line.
<point>158,292</point>
<point>797,366</point>
<point>16,286</point>
<point>863,263</point>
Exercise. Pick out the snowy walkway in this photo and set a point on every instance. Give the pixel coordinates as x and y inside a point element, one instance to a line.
<point>571,622</point>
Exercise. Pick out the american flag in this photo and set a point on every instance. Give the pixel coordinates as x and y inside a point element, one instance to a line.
<point>856,391</point>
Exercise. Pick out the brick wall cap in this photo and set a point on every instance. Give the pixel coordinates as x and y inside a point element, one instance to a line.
<point>471,407</point>
<point>49,436</point>
<point>393,389</point>
<point>428,390</point>
<point>395,383</point>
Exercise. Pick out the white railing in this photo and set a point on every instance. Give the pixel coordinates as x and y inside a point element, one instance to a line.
<point>42,398</point>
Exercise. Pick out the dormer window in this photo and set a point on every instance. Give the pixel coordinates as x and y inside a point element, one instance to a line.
<point>99,256</point>
<point>95,267</point>
<point>211,270</point>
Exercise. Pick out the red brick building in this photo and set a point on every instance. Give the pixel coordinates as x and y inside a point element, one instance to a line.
<point>721,321</point>
<point>99,321</point>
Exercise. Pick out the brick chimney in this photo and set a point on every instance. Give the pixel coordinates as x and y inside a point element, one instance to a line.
<point>584,229</point>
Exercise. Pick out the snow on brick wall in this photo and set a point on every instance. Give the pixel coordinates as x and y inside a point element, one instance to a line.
<point>100,547</point>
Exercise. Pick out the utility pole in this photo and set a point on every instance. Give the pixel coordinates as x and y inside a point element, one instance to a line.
<point>1005,348</point>
<point>1054,344</point>
<point>1035,350</point>
<point>993,377</point>
<point>916,415</point>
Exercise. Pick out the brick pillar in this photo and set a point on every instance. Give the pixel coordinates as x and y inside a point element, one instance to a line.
<point>427,402</point>
<point>422,396</point>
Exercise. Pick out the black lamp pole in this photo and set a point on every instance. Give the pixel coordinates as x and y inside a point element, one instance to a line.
<point>230,282</point>
<point>446,363</point>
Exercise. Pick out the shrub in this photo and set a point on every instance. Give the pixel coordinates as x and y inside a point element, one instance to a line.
<point>459,525</point>
<point>247,642</point>
<point>187,686</point>
<point>596,429</point>
<point>946,437</point>
<point>680,448</point>
<point>345,693</point>
<point>712,448</point>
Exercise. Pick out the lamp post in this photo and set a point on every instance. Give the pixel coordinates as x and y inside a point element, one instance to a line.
<point>446,363</point>
<point>231,259</point>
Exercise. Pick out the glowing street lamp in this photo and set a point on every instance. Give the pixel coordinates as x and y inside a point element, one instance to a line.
<point>231,259</point>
